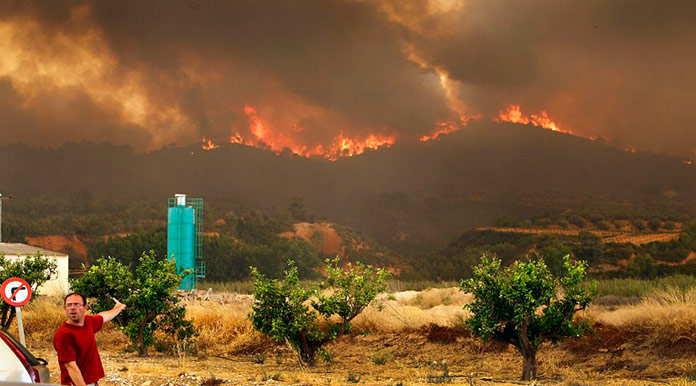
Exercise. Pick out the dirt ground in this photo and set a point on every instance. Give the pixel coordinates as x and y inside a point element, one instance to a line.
<point>434,356</point>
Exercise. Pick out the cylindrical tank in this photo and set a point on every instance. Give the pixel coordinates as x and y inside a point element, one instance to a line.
<point>181,241</point>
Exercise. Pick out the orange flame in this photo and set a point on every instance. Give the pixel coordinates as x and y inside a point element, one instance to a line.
<point>631,150</point>
<point>514,114</point>
<point>444,128</point>
<point>341,146</point>
<point>348,147</point>
<point>447,127</point>
<point>236,138</point>
<point>208,144</point>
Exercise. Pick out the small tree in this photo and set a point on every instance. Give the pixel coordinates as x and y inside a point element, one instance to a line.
<point>148,292</point>
<point>308,318</point>
<point>525,304</point>
<point>36,270</point>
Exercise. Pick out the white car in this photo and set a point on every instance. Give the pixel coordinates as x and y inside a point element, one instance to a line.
<point>18,365</point>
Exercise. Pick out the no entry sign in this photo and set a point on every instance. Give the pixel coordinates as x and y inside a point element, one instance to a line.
<point>15,291</point>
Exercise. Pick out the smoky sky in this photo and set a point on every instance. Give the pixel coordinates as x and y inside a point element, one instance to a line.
<point>154,73</point>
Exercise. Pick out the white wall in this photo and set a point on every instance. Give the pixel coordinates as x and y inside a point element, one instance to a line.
<point>58,285</point>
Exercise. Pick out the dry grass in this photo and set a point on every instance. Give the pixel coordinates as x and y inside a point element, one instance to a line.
<point>224,328</point>
<point>661,319</point>
<point>644,344</point>
<point>410,310</point>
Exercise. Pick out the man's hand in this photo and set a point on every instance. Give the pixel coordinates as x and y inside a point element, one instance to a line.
<point>118,305</point>
<point>110,314</point>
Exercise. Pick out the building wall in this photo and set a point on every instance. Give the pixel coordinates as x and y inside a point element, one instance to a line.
<point>58,285</point>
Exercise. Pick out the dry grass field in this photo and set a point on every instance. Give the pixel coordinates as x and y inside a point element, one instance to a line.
<point>417,339</point>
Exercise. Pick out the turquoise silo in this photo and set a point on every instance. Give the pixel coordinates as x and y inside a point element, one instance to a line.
<point>183,238</point>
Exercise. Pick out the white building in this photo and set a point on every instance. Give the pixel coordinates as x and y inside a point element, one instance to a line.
<point>58,284</point>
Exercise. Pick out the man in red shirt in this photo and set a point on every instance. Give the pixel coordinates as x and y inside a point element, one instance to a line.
<point>74,342</point>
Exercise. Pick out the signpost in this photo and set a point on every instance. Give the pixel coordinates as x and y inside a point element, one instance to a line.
<point>16,292</point>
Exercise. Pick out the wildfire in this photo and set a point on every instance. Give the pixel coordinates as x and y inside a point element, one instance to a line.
<point>630,150</point>
<point>264,136</point>
<point>447,127</point>
<point>514,114</point>
<point>208,144</point>
<point>444,128</point>
<point>348,147</point>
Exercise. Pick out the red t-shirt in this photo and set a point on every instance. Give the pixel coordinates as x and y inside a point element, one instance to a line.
<point>77,343</point>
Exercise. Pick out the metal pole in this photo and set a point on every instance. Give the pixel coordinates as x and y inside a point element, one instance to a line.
<point>20,326</point>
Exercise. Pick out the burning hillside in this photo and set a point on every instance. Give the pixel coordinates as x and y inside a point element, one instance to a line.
<point>265,136</point>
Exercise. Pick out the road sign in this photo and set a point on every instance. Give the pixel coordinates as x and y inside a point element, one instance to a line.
<point>15,291</point>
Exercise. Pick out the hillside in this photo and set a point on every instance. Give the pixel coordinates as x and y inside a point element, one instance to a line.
<point>411,196</point>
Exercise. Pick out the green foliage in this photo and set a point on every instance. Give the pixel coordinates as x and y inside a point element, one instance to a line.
<point>257,227</point>
<point>640,287</point>
<point>526,304</point>
<point>229,259</point>
<point>36,270</point>
<point>589,248</point>
<point>128,249</point>
<point>308,318</point>
<point>148,292</point>
<point>642,266</point>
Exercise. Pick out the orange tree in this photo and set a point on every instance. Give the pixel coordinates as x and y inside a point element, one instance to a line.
<point>149,293</point>
<point>308,318</point>
<point>525,305</point>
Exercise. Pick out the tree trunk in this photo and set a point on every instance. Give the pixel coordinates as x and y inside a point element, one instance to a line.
<point>528,351</point>
<point>529,371</point>
<point>140,342</point>
<point>8,313</point>
<point>307,352</point>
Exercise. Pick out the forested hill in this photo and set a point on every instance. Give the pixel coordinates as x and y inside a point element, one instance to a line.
<point>410,196</point>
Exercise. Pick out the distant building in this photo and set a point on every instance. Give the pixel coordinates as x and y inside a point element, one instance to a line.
<point>58,285</point>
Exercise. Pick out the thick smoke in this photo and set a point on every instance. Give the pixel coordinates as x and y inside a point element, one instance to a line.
<point>159,72</point>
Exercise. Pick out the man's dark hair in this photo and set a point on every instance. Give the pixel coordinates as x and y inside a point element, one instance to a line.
<point>84,299</point>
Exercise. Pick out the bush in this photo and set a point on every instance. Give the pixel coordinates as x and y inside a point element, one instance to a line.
<point>642,266</point>
<point>148,292</point>
<point>522,305</point>
<point>308,318</point>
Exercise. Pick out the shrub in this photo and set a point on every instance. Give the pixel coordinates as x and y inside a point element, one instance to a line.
<point>307,318</point>
<point>526,304</point>
<point>642,266</point>
<point>148,292</point>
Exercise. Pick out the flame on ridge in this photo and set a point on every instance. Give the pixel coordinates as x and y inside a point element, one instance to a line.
<point>344,146</point>
<point>208,144</point>
<point>514,114</point>
<point>265,137</point>
<point>447,127</point>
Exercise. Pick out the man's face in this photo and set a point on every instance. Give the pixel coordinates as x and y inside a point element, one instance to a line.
<point>75,308</point>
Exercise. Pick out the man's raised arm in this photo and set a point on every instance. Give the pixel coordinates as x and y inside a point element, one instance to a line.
<point>110,314</point>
